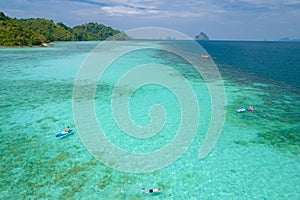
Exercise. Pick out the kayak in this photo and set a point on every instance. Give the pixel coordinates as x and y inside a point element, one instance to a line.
<point>243,110</point>
<point>60,134</point>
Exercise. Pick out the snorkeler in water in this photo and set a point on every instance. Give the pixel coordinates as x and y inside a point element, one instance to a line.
<point>155,190</point>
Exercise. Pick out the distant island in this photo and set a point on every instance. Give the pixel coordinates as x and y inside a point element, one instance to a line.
<point>287,39</point>
<point>39,31</point>
<point>201,36</point>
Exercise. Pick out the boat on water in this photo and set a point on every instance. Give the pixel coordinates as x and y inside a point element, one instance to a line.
<point>205,56</point>
<point>250,109</point>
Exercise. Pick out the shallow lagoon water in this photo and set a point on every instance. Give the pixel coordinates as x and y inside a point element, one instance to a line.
<point>256,157</point>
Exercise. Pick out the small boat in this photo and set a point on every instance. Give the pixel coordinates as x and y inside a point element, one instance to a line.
<point>241,110</point>
<point>60,134</point>
<point>250,109</point>
<point>205,56</point>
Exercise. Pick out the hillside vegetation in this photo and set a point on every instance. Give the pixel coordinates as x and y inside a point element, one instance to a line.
<point>35,31</point>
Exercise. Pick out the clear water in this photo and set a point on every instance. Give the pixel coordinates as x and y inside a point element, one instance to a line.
<point>256,157</point>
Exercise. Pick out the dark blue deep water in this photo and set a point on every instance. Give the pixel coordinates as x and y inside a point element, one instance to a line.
<point>276,61</point>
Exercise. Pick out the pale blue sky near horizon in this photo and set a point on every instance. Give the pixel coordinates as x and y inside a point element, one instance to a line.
<point>219,19</point>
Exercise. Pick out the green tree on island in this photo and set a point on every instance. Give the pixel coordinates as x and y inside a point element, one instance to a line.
<point>35,31</point>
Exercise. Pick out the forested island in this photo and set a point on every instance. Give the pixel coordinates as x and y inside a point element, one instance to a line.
<point>201,36</point>
<point>36,31</point>
<point>287,39</point>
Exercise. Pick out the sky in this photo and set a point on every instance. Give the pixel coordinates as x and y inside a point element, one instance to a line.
<point>219,19</point>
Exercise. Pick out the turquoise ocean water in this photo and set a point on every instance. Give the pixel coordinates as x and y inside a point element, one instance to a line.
<point>256,157</point>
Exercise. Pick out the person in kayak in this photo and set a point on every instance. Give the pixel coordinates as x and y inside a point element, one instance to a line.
<point>67,129</point>
<point>251,108</point>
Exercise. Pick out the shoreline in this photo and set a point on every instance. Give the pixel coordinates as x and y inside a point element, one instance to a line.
<point>43,45</point>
